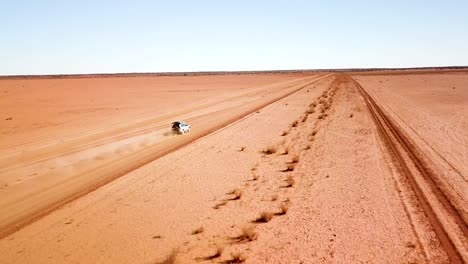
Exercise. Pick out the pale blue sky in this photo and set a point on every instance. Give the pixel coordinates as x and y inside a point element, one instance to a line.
<point>59,37</point>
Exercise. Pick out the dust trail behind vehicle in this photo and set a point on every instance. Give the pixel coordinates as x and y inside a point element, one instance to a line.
<point>62,175</point>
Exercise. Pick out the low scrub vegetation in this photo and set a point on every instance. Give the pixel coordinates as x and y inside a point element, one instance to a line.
<point>171,259</point>
<point>294,159</point>
<point>264,217</point>
<point>322,116</point>
<point>284,207</point>
<point>274,197</point>
<point>254,176</point>
<point>285,151</point>
<point>289,181</point>
<point>289,167</point>
<point>269,150</point>
<point>237,257</point>
<point>198,230</point>
<point>248,233</point>
<point>237,194</point>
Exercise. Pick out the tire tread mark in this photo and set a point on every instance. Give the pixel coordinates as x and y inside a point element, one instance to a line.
<point>389,129</point>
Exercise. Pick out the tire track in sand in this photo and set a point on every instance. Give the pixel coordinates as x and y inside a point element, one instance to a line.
<point>444,217</point>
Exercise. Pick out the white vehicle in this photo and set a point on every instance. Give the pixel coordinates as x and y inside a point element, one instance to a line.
<point>180,127</point>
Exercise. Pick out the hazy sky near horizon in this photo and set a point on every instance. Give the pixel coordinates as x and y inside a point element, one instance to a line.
<point>60,37</point>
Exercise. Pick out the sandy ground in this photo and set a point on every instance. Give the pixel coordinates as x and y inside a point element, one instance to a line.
<point>361,168</point>
<point>38,176</point>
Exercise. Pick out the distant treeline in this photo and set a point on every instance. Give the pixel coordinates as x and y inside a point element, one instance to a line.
<point>151,74</point>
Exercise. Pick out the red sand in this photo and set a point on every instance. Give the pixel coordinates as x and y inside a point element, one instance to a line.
<point>379,175</point>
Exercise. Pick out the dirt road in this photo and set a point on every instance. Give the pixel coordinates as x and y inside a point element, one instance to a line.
<point>315,170</point>
<point>52,174</point>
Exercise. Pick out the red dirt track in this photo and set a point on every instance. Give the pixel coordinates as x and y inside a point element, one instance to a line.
<point>450,240</point>
<point>361,167</point>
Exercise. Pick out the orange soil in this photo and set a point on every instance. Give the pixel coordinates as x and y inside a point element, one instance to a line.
<point>37,175</point>
<point>373,173</point>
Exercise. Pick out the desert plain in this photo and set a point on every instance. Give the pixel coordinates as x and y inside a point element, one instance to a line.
<point>285,167</point>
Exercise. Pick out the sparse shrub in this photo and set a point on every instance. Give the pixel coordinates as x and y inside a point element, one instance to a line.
<point>217,254</point>
<point>254,177</point>
<point>314,104</point>
<point>304,118</point>
<point>313,133</point>
<point>307,147</point>
<point>350,115</point>
<point>171,259</point>
<point>283,209</point>
<point>269,150</point>
<point>294,159</point>
<point>218,205</point>
<point>289,181</point>
<point>310,111</point>
<point>294,124</point>
<point>248,233</point>
<point>198,230</point>
<point>274,197</point>
<point>289,167</point>
<point>284,133</point>
<point>237,194</point>
<point>322,116</point>
<point>237,257</point>
<point>285,151</point>
<point>242,149</point>
<point>264,217</point>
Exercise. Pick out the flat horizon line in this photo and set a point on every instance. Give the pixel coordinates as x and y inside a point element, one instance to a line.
<point>195,73</point>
